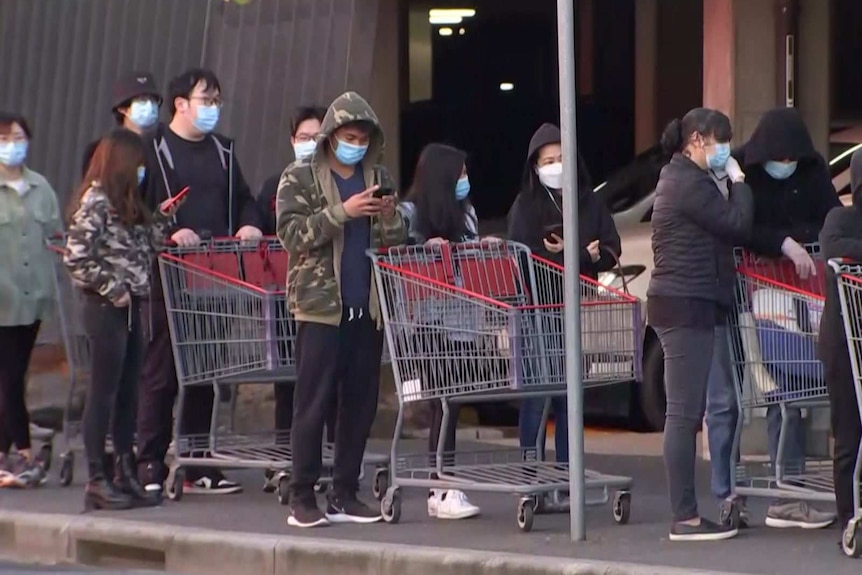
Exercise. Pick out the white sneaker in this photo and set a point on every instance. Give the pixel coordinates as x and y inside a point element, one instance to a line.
<point>451,504</point>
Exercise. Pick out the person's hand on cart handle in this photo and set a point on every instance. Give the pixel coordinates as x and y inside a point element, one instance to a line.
<point>363,204</point>
<point>799,256</point>
<point>734,172</point>
<point>436,242</point>
<point>554,244</point>
<point>185,238</point>
<point>123,301</point>
<point>594,249</point>
<point>249,233</point>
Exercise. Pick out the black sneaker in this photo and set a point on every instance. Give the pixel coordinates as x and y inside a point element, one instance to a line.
<point>350,510</point>
<point>152,477</point>
<point>706,531</point>
<point>306,515</point>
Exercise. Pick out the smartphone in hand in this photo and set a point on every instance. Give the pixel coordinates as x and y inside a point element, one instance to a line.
<point>169,204</point>
<point>385,188</point>
<point>552,230</point>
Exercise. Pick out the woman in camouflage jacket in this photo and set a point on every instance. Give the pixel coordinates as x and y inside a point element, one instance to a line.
<point>110,246</point>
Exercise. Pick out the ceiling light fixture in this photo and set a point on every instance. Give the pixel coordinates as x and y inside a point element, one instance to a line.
<point>449,15</point>
<point>507,87</point>
<point>445,31</point>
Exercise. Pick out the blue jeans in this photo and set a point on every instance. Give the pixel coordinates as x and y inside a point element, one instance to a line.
<point>530,420</point>
<point>722,414</point>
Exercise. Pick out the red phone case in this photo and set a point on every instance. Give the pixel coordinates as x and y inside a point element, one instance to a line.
<point>169,203</point>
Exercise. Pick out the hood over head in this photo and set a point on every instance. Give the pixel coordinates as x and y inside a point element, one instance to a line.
<point>856,178</point>
<point>781,134</point>
<point>550,134</point>
<point>345,109</point>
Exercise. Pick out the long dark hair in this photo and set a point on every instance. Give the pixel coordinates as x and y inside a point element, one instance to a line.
<point>114,166</point>
<point>438,213</point>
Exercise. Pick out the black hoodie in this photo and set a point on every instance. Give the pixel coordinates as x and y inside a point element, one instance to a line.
<point>797,206</point>
<point>536,209</point>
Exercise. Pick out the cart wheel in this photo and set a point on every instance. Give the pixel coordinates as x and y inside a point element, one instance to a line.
<point>851,542</point>
<point>540,504</point>
<point>730,514</point>
<point>390,506</point>
<point>46,454</point>
<point>175,485</point>
<point>526,513</point>
<point>622,507</point>
<point>67,469</point>
<point>283,489</point>
<point>381,484</point>
<point>269,484</point>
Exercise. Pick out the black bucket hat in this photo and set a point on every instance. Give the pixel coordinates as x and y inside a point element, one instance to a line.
<point>132,86</point>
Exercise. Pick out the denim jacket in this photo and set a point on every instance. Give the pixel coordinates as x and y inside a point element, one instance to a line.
<point>27,221</point>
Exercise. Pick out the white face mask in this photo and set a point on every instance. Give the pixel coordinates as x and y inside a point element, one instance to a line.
<point>304,150</point>
<point>551,176</point>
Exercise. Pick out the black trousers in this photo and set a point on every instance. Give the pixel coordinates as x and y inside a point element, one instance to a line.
<point>334,361</point>
<point>116,349</point>
<point>16,347</point>
<point>158,392</point>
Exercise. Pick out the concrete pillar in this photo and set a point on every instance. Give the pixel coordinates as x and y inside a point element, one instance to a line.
<point>719,55</point>
<point>646,61</point>
<point>386,74</point>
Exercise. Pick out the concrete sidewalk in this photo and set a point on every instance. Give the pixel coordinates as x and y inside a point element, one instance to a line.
<point>247,533</point>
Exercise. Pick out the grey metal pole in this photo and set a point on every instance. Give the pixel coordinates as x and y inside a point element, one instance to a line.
<point>574,386</point>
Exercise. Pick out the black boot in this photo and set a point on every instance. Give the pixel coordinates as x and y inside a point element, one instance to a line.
<point>100,493</point>
<point>126,482</point>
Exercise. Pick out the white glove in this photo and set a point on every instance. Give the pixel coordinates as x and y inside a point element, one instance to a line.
<point>804,264</point>
<point>185,238</point>
<point>734,172</point>
<point>249,233</point>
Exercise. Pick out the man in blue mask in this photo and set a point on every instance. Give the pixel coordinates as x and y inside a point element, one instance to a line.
<point>187,153</point>
<point>793,192</point>
<point>136,102</point>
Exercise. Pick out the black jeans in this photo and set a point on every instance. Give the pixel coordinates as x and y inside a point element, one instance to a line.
<point>334,361</point>
<point>116,347</point>
<point>158,392</point>
<point>16,347</point>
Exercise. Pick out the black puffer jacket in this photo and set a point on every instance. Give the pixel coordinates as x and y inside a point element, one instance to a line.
<point>537,209</point>
<point>841,237</point>
<point>795,207</point>
<point>694,229</point>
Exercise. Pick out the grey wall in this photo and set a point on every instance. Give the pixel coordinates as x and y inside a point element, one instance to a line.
<point>58,59</point>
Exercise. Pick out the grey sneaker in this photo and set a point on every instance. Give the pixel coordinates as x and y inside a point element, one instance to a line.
<point>787,514</point>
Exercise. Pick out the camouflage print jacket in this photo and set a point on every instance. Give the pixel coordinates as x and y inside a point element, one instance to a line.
<point>310,219</point>
<point>104,255</point>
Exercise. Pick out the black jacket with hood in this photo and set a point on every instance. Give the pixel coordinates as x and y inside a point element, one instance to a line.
<point>538,209</point>
<point>795,207</point>
<point>841,237</point>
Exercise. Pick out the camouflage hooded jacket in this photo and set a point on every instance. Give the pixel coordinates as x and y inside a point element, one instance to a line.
<point>310,219</point>
<point>106,256</point>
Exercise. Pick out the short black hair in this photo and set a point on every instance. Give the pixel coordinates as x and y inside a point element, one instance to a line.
<point>704,121</point>
<point>183,85</point>
<point>304,113</point>
<point>9,118</point>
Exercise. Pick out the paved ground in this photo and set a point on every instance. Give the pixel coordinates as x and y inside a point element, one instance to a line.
<point>7,568</point>
<point>644,540</point>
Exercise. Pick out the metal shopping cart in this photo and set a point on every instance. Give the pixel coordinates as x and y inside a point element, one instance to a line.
<point>772,335</point>
<point>848,275</point>
<point>484,322</point>
<point>229,325</point>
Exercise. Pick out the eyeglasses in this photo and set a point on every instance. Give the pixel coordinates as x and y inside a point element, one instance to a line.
<point>209,100</point>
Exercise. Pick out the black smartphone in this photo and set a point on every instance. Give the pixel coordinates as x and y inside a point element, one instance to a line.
<point>385,188</point>
<point>555,229</point>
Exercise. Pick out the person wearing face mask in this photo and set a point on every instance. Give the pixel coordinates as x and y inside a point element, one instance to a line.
<point>536,219</point>
<point>110,246</point>
<point>691,291</point>
<point>304,128</point>
<point>793,192</point>
<point>187,153</point>
<point>136,106</point>
<point>327,217</point>
<point>438,210</point>
<point>29,216</point>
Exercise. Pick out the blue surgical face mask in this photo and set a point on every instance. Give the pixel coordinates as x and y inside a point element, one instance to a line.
<point>780,170</point>
<point>144,113</point>
<point>718,159</point>
<point>349,154</point>
<point>462,188</point>
<point>142,173</point>
<point>13,154</point>
<point>206,118</point>
<point>304,150</point>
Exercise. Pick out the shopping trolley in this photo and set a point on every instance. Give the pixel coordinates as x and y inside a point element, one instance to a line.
<point>484,322</point>
<point>772,334</point>
<point>848,275</point>
<point>229,325</point>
